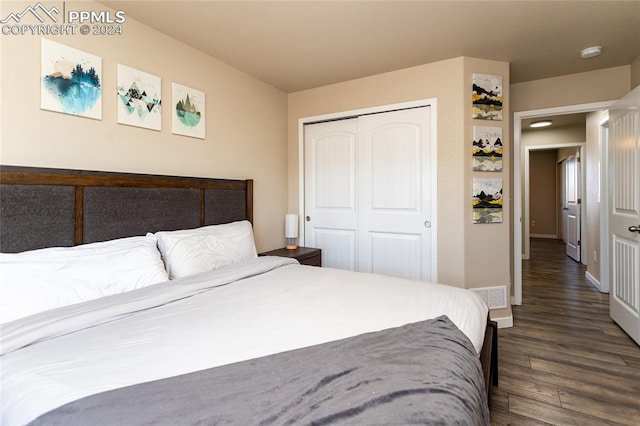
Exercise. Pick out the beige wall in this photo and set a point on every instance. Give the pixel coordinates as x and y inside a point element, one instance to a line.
<point>462,246</point>
<point>542,193</point>
<point>592,194</point>
<point>588,87</point>
<point>245,128</point>
<point>553,135</point>
<point>635,72</point>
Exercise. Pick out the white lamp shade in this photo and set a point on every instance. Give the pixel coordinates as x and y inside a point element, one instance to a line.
<point>291,226</point>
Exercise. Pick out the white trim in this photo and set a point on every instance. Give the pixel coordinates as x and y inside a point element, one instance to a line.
<point>593,281</point>
<point>603,126</point>
<point>430,102</point>
<point>504,322</point>
<point>363,111</point>
<point>548,236</point>
<point>517,193</point>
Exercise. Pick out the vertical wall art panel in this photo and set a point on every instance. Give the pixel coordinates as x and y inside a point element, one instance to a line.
<point>487,149</point>
<point>188,111</point>
<point>487,200</point>
<point>487,97</point>
<point>70,80</point>
<point>139,98</point>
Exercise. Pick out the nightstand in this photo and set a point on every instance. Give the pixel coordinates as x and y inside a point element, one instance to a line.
<point>304,255</point>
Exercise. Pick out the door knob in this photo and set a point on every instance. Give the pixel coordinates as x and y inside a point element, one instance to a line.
<point>308,218</point>
<point>634,228</point>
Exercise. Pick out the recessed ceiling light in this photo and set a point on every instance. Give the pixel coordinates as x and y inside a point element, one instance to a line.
<point>591,52</point>
<point>542,123</point>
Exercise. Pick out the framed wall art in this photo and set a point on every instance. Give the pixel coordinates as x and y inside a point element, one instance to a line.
<point>487,200</point>
<point>487,97</point>
<point>487,149</point>
<point>70,80</point>
<point>139,100</point>
<point>188,111</point>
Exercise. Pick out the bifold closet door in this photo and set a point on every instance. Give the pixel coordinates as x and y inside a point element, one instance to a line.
<point>368,192</point>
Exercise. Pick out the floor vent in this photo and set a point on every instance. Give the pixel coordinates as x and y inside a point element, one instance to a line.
<point>494,297</point>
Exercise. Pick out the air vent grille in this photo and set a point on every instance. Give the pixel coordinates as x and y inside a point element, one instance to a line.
<point>494,297</point>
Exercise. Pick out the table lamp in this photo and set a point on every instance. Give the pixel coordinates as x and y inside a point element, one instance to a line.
<point>291,231</point>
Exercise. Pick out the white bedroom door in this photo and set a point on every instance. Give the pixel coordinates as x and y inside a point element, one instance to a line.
<point>368,192</point>
<point>624,214</point>
<point>572,206</point>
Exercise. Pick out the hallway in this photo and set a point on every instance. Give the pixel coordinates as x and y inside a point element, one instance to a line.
<point>564,362</point>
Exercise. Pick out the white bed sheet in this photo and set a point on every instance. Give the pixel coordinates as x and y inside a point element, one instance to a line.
<point>272,305</point>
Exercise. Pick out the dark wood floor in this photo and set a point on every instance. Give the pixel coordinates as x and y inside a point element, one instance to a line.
<point>564,362</point>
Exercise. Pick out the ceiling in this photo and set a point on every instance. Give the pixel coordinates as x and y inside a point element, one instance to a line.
<point>298,45</point>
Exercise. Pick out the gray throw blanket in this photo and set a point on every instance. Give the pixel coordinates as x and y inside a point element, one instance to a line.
<point>421,373</point>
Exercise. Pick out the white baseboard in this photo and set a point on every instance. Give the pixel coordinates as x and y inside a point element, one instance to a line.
<point>504,322</point>
<point>551,236</point>
<point>593,281</point>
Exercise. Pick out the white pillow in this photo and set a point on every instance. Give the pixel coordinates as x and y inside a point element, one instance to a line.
<point>192,251</point>
<point>38,280</point>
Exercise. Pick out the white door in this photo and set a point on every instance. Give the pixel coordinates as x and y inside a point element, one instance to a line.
<point>394,197</point>
<point>330,191</point>
<point>367,192</point>
<point>572,206</point>
<point>562,202</point>
<point>624,214</point>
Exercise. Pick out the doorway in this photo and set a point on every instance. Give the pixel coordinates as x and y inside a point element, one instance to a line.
<point>527,230</point>
<point>519,173</point>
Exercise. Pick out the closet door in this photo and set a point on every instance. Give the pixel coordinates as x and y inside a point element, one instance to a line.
<point>394,200</point>
<point>330,191</point>
<point>368,193</point>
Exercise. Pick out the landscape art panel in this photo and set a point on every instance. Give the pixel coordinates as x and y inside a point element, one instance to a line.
<point>139,100</point>
<point>487,200</point>
<point>487,149</point>
<point>487,97</point>
<point>71,80</point>
<point>188,111</point>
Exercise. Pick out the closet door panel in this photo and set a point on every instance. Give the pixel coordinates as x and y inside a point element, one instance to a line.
<point>330,191</point>
<point>368,192</point>
<point>394,194</point>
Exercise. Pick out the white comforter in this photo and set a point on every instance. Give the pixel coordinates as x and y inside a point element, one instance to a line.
<point>262,306</point>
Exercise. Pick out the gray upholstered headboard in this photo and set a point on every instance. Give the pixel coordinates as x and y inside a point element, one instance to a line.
<point>41,207</point>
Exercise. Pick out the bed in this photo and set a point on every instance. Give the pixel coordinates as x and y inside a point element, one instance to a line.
<point>204,331</point>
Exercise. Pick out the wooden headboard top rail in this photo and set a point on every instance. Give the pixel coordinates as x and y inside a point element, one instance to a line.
<point>44,207</point>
